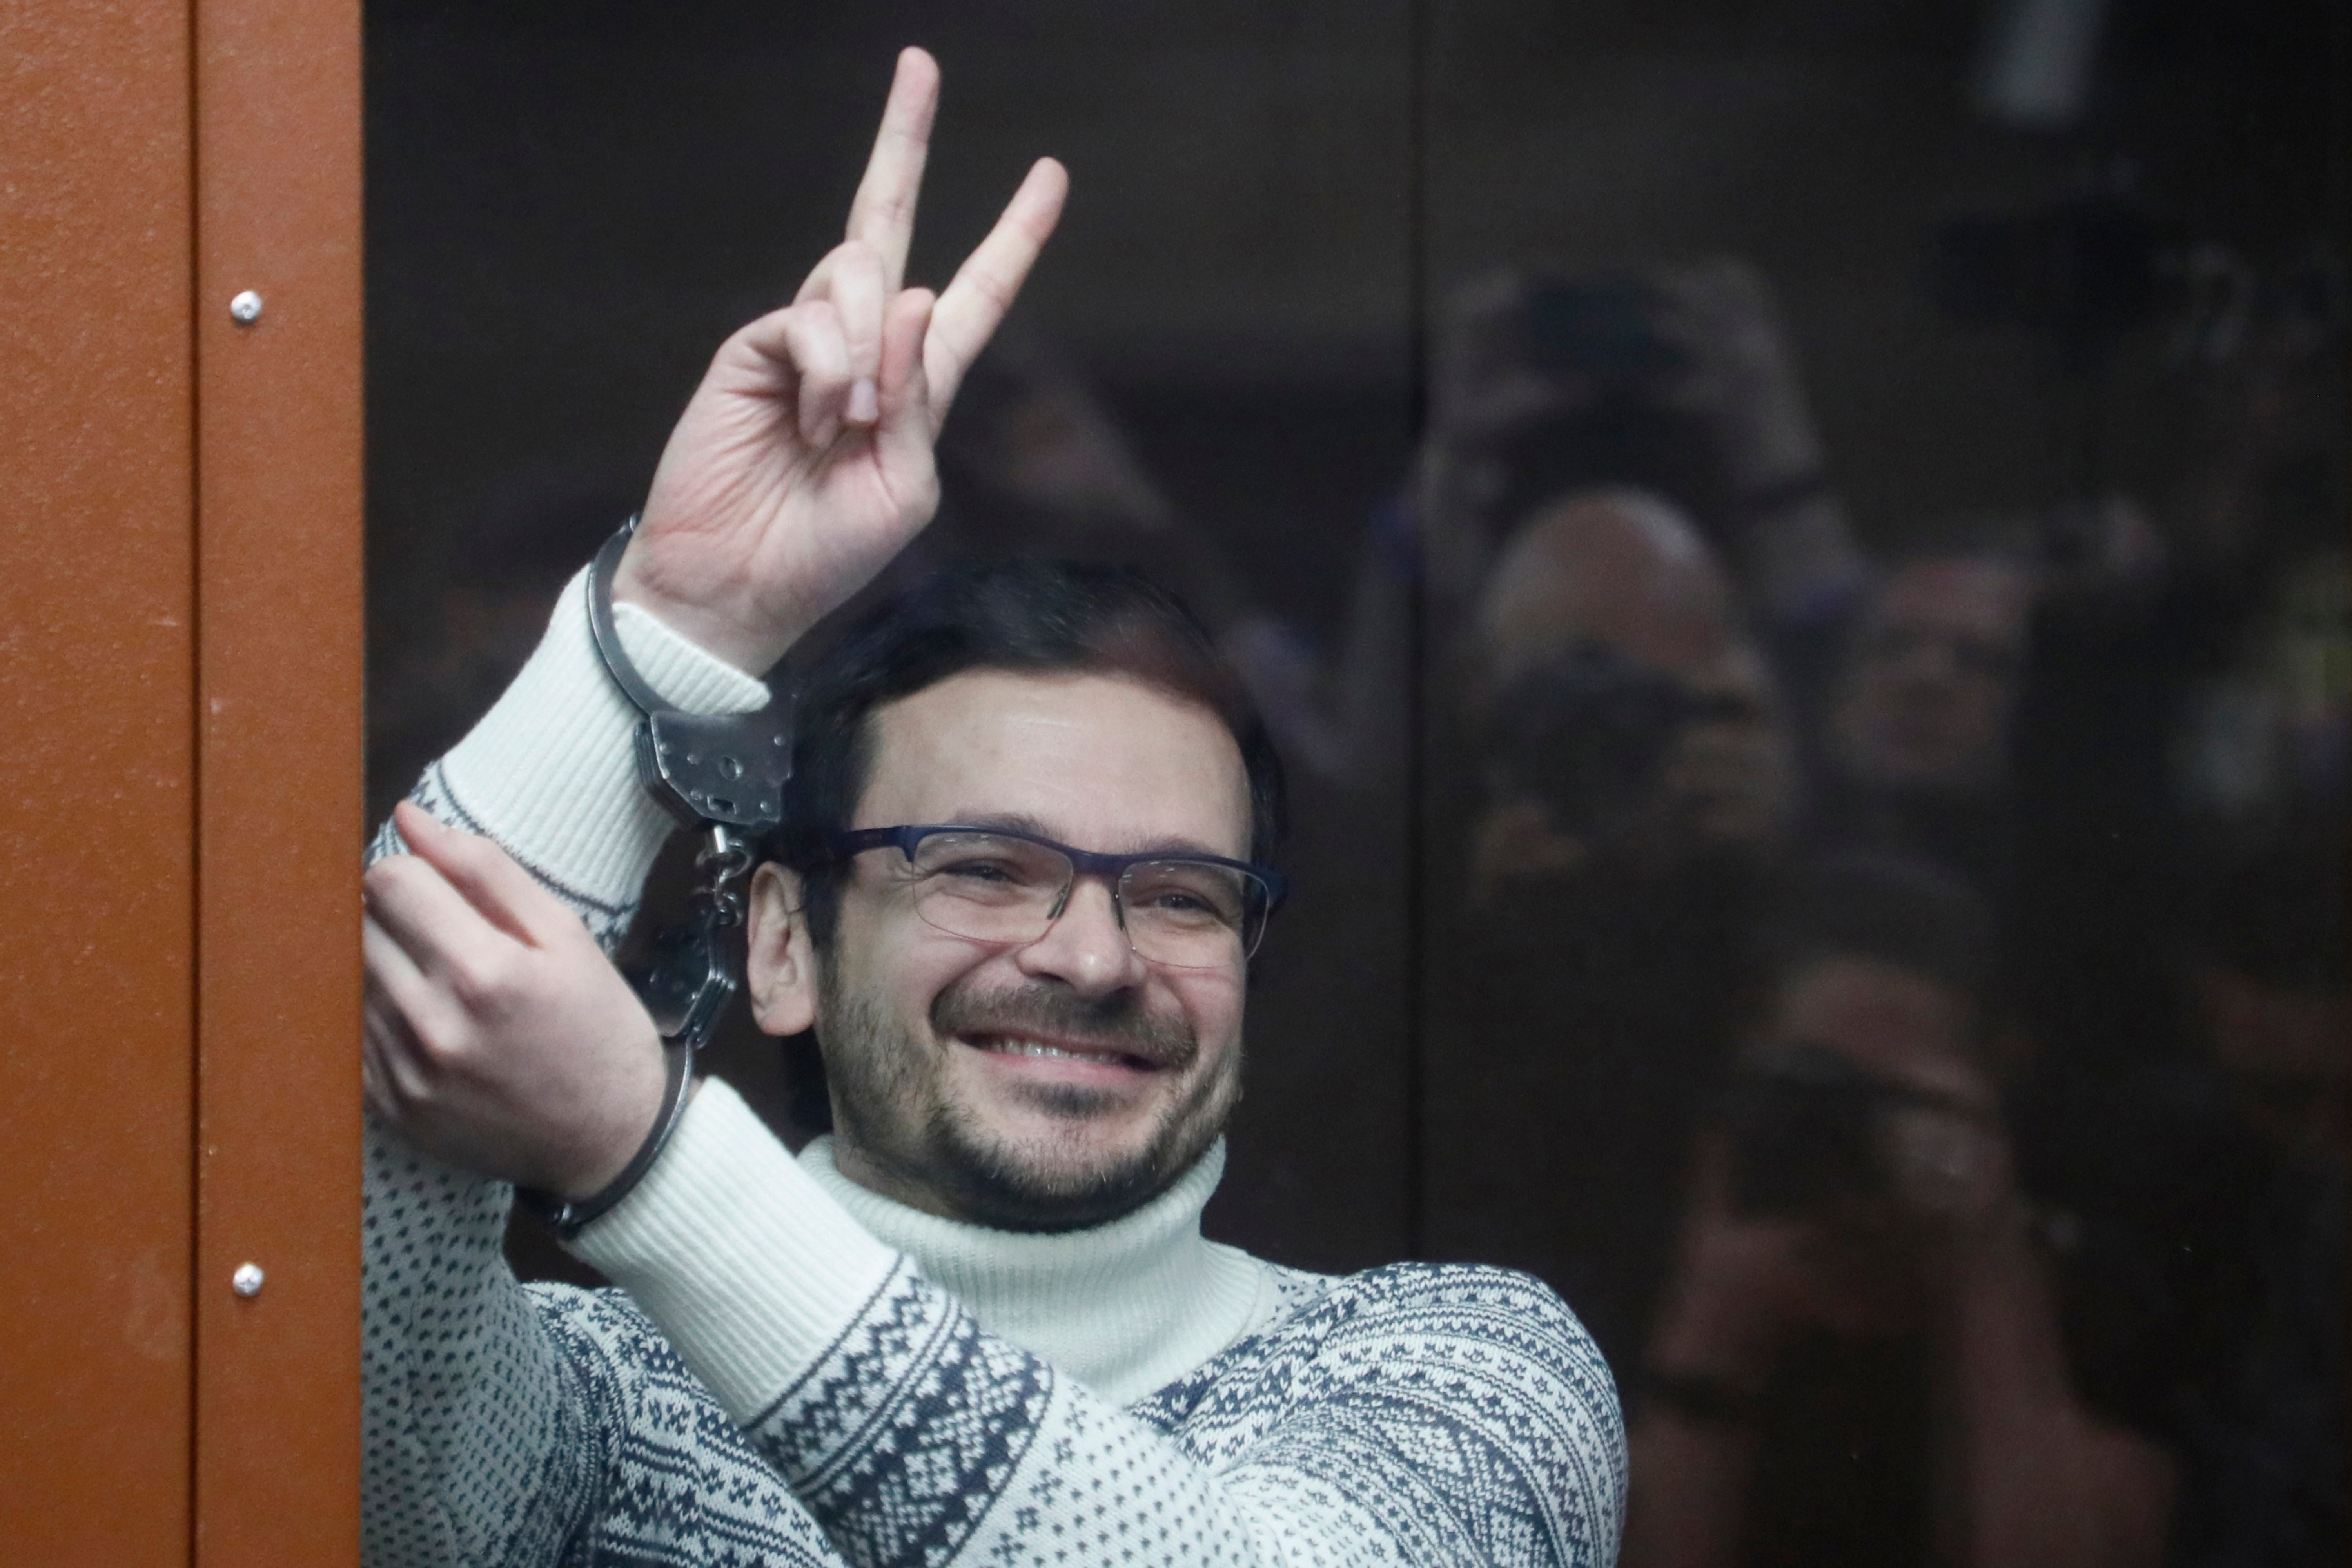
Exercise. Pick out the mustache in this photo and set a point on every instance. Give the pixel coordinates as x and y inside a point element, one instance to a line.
<point>1113,1024</point>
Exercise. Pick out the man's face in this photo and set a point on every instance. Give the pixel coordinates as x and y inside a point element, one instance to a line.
<point>1630,576</point>
<point>1061,1082</point>
<point>1933,676</point>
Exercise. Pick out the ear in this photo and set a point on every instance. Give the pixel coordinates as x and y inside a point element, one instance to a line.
<point>778,963</point>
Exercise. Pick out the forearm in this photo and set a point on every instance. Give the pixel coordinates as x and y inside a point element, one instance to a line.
<point>470,1447</point>
<point>2047,1480</point>
<point>549,772</point>
<point>478,1447</point>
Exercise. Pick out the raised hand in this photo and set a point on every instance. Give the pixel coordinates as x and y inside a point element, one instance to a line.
<point>499,1038</point>
<point>803,461</point>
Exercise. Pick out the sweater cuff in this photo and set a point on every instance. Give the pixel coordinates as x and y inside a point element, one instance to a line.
<point>550,772</point>
<point>750,1270</point>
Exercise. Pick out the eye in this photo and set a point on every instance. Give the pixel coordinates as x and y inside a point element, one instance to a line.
<point>979,864</point>
<point>1191,894</point>
<point>977,868</point>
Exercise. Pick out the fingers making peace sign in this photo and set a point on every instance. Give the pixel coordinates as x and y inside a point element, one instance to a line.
<point>804,462</point>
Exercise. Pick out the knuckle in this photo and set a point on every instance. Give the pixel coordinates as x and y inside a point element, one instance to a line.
<point>993,287</point>
<point>487,981</point>
<point>426,1036</point>
<point>819,346</point>
<point>922,497</point>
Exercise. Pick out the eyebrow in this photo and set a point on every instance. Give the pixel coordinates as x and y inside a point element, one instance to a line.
<point>1021,822</point>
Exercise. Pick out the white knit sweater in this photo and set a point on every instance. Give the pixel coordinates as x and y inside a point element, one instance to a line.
<point>804,1371</point>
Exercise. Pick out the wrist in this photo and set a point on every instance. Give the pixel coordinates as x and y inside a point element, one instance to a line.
<point>652,1098</point>
<point>569,1205</point>
<point>718,635</point>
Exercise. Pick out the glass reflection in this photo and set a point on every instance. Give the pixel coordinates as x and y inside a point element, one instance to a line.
<point>1814,654</point>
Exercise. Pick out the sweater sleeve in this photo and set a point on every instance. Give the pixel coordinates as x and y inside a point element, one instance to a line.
<point>500,1426</point>
<point>550,772</point>
<point>1424,1415</point>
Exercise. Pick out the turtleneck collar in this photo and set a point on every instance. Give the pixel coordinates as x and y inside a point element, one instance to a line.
<point>1126,1307</point>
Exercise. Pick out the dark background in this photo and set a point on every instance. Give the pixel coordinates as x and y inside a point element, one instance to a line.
<point>569,206</point>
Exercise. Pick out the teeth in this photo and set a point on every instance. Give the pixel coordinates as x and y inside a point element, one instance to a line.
<point>1038,1048</point>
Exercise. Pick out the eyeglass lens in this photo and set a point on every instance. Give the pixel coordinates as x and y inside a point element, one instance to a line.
<point>1188,914</point>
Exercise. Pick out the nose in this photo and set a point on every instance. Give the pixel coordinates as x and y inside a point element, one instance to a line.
<point>1084,948</point>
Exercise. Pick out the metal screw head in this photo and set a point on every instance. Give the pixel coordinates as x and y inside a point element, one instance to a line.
<point>246,307</point>
<point>246,1280</point>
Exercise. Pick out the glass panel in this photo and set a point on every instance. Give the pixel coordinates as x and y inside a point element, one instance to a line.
<point>1793,551</point>
<point>1884,491</point>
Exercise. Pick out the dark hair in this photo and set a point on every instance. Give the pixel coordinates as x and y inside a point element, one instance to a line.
<point>1024,616</point>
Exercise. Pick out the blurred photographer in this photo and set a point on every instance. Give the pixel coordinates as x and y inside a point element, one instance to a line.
<point>1676,382</point>
<point>1617,781</point>
<point>1625,719</point>
<point>1866,1354</point>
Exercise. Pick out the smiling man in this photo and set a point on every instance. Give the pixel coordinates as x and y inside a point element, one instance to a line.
<point>1009,1043</point>
<point>1023,870</point>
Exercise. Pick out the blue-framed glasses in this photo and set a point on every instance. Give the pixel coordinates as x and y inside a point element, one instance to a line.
<point>998,885</point>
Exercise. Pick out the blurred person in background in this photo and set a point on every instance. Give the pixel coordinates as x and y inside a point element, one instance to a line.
<point>1917,753</point>
<point>1677,381</point>
<point>2264,955</point>
<point>1039,464</point>
<point>1625,783</point>
<point>1914,1319</point>
<point>2197,687</point>
<point>1624,713</point>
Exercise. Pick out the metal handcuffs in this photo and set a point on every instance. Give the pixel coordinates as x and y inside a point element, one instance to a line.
<point>723,775</point>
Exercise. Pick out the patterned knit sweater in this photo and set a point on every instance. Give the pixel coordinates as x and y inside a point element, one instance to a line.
<point>799,1373</point>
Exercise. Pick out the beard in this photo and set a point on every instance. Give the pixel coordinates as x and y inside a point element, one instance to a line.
<point>891,1101</point>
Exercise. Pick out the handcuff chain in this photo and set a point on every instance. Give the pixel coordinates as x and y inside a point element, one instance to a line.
<point>720,865</point>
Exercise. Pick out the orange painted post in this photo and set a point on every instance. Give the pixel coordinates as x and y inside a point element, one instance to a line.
<point>96,655</point>
<point>278,779</point>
